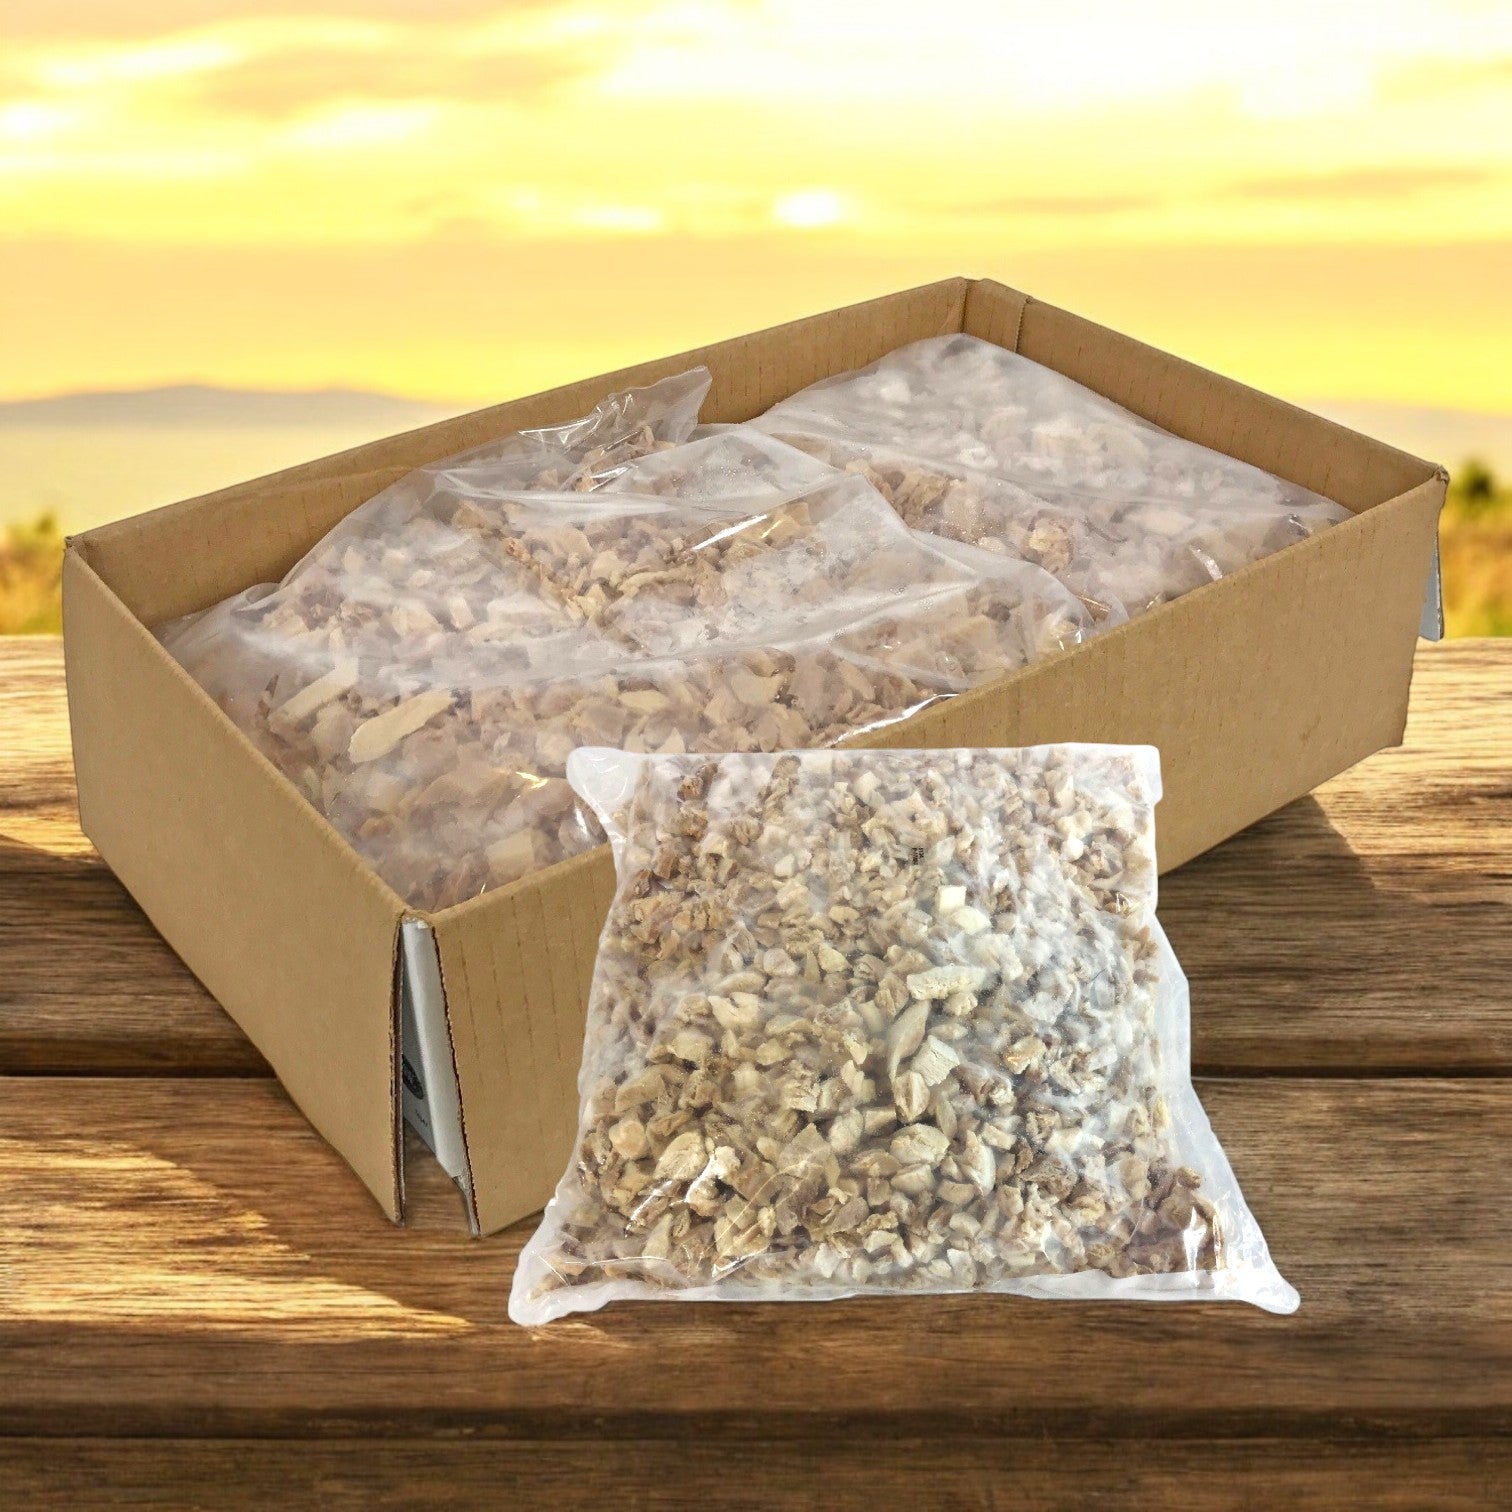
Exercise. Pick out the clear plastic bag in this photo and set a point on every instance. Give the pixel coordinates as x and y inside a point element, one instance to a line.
<point>720,463</point>
<point>1009,615</point>
<point>952,614</point>
<point>424,559</point>
<point>883,1022</point>
<point>475,797</point>
<point>580,456</point>
<point>977,443</point>
<point>733,539</point>
<point>422,674</point>
<point>369,674</point>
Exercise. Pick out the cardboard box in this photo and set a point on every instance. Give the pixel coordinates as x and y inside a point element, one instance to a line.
<point>1255,689</point>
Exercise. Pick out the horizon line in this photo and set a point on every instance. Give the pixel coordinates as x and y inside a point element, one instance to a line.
<point>459,406</point>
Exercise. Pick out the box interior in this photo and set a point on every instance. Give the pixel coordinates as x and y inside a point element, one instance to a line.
<point>543,932</point>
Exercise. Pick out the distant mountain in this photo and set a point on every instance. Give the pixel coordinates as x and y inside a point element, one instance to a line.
<point>197,404</point>
<point>1449,436</point>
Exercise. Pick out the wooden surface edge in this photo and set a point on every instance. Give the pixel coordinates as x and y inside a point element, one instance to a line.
<point>1067,1475</point>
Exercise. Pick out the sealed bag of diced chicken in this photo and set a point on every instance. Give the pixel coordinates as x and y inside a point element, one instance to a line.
<point>887,1022</point>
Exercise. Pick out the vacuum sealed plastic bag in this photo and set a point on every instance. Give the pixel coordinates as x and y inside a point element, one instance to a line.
<point>424,672</point>
<point>974,442</point>
<point>882,1022</point>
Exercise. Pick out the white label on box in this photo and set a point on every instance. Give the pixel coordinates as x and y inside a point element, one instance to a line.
<point>432,1106</point>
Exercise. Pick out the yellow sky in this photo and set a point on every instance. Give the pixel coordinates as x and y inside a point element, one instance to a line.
<point>463,199</point>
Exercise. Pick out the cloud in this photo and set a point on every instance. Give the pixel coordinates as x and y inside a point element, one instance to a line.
<point>1358,183</point>
<point>288,83</point>
<point>114,20</point>
<point>1060,204</point>
<point>1433,78</point>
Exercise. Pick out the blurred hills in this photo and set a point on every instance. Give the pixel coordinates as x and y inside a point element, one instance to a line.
<point>1442,435</point>
<point>1449,436</point>
<point>207,404</point>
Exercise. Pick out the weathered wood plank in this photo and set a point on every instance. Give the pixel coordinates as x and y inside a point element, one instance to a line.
<point>1365,927</point>
<point>185,1257</point>
<point>37,804</point>
<point>752,1475</point>
<point>86,983</point>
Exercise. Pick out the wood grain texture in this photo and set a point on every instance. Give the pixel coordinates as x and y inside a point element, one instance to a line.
<point>201,1307</point>
<point>1368,926</point>
<point>754,1475</point>
<point>1362,928</point>
<point>185,1257</point>
<point>86,983</point>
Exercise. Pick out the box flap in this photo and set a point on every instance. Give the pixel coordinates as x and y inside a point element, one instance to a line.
<point>1215,411</point>
<point>427,1066</point>
<point>186,811</point>
<point>517,965</point>
<point>1431,627</point>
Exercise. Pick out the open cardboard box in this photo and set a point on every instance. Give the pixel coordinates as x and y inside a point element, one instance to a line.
<point>1255,689</point>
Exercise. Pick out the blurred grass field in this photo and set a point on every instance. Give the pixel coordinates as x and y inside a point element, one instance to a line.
<point>1475,541</point>
<point>31,578</point>
<point>1475,535</point>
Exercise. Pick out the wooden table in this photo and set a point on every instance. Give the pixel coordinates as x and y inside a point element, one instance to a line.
<point>199,1305</point>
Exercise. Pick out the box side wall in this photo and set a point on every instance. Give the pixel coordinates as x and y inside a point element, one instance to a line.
<point>186,556</point>
<point>1255,689</point>
<point>268,908</point>
<point>1217,412</point>
<point>1245,721</point>
<point>517,966</point>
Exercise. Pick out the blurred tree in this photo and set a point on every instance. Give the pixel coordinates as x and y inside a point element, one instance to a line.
<point>1475,486</point>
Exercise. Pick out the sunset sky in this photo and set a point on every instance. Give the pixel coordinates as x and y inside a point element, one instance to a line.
<point>466,199</point>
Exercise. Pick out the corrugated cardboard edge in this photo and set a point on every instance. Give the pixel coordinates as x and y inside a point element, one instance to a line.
<point>994,312</point>
<point>161,769</point>
<point>396,1209</point>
